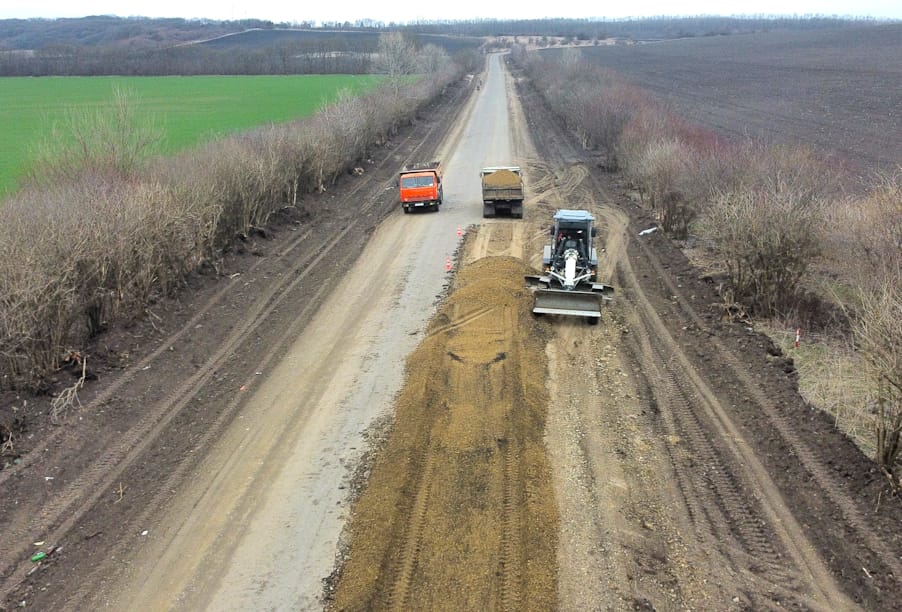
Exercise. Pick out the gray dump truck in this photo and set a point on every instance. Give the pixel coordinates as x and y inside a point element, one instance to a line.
<point>502,191</point>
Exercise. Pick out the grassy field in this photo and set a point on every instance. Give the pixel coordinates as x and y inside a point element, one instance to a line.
<point>190,110</point>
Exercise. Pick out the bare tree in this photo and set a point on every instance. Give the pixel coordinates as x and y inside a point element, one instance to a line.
<point>878,332</point>
<point>395,56</point>
<point>767,240</point>
<point>432,59</point>
<point>112,140</point>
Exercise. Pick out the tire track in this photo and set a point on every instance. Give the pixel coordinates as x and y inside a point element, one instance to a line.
<point>683,399</point>
<point>511,561</point>
<point>413,542</point>
<point>475,315</point>
<point>812,460</point>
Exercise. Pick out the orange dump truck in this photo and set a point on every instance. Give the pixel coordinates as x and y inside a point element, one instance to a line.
<point>421,186</point>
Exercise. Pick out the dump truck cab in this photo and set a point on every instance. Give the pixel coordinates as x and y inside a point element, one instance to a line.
<point>420,186</point>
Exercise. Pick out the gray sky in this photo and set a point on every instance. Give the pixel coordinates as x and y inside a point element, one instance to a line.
<point>351,10</point>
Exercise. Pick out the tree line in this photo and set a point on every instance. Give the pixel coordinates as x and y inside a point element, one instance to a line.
<point>265,52</point>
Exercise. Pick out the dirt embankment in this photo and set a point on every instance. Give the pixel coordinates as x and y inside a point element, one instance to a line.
<point>459,511</point>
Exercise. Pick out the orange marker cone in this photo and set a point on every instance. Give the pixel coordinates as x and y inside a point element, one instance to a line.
<point>447,263</point>
<point>798,336</point>
<point>459,231</point>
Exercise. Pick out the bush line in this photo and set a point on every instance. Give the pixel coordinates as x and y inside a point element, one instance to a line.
<point>93,237</point>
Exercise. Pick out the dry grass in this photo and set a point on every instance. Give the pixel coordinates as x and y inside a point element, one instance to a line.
<point>833,377</point>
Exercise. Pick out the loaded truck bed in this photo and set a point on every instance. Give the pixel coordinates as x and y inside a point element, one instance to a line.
<point>502,191</point>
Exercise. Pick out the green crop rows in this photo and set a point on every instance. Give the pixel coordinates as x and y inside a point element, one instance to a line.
<point>189,110</point>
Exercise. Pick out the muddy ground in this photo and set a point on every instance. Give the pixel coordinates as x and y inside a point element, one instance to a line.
<point>660,460</point>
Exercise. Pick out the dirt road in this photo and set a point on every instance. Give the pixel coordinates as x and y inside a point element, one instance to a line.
<point>666,497</point>
<point>659,460</point>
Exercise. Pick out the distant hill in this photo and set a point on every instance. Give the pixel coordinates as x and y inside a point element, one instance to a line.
<point>105,30</point>
<point>105,45</point>
<point>109,31</point>
<point>333,39</point>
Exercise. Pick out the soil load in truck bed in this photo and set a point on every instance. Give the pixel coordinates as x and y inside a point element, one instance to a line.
<point>502,179</point>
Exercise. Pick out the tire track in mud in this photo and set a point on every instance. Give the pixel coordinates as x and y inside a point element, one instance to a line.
<point>719,469</point>
<point>511,560</point>
<point>458,511</point>
<point>400,591</point>
<point>812,458</point>
<point>58,517</point>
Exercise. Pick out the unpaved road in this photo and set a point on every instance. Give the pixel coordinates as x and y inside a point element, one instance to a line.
<point>659,460</point>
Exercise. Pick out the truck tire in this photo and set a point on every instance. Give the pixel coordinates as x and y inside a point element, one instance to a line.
<point>488,211</point>
<point>517,211</point>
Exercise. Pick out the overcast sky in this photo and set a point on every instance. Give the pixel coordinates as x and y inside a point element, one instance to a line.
<point>411,10</point>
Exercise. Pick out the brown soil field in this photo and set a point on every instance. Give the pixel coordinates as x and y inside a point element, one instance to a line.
<point>459,511</point>
<point>836,91</point>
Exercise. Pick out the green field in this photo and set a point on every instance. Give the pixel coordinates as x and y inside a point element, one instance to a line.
<point>190,110</point>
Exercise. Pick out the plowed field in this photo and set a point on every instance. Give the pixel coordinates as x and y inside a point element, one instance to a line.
<point>837,91</point>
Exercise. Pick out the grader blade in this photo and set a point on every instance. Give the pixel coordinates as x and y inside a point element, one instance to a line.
<point>568,303</point>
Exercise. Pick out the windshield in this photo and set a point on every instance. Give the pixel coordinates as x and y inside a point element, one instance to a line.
<point>416,181</point>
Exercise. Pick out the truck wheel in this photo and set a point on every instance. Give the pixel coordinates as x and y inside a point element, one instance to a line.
<point>406,211</point>
<point>488,212</point>
<point>593,320</point>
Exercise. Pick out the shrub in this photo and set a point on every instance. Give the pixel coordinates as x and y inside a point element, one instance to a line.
<point>872,236</point>
<point>767,239</point>
<point>110,141</point>
<point>878,333</point>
